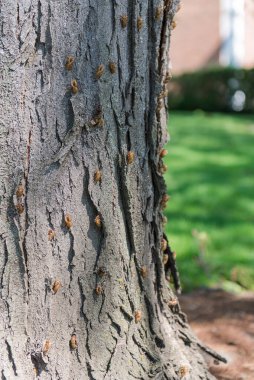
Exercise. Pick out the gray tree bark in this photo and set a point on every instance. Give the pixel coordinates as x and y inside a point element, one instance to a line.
<point>83,290</point>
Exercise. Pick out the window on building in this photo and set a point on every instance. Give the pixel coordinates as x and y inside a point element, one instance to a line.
<point>232,33</point>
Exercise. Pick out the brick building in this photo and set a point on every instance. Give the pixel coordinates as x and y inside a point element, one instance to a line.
<point>213,32</point>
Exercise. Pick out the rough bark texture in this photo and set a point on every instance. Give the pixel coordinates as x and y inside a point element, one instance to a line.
<point>52,143</point>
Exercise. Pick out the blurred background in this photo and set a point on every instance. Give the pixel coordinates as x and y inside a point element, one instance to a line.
<point>211,149</point>
<point>210,176</point>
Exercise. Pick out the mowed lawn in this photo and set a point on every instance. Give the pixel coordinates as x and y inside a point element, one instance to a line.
<point>210,179</point>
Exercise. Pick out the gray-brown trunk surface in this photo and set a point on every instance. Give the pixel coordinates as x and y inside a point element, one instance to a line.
<point>54,137</point>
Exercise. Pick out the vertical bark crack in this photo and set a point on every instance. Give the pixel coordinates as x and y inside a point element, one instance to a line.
<point>11,359</point>
<point>4,264</point>
<point>26,226</point>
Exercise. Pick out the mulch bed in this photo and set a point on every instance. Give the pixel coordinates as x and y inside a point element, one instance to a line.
<point>224,322</point>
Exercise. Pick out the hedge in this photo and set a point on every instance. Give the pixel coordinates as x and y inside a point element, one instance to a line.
<point>217,89</point>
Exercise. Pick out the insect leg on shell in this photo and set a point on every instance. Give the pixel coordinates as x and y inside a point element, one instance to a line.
<point>139,23</point>
<point>20,191</point>
<point>165,198</point>
<point>69,63</point>
<point>99,72</point>
<point>173,24</point>
<point>164,245</point>
<point>98,120</point>
<point>98,289</point>
<point>73,342</point>
<point>144,271</point>
<point>159,12</point>
<point>74,86</point>
<point>138,316</point>
<point>46,346</point>
<point>112,67</point>
<point>173,302</point>
<point>97,176</point>
<point>162,168</point>
<point>20,208</point>
<point>130,157</point>
<point>168,77</point>
<point>51,234</point>
<point>163,153</point>
<point>124,21</point>
<point>97,221</point>
<point>183,371</point>
<point>68,221</point>
<point>56,286</point>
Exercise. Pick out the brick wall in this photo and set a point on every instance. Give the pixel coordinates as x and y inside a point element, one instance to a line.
<point>196,39</point>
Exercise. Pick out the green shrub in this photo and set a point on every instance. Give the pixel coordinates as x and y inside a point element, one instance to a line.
<point>217,89</point>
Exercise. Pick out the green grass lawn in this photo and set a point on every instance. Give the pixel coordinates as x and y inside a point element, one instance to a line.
<point>210,179</point>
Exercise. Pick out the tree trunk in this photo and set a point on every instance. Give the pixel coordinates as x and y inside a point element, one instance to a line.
<point>83,289</point>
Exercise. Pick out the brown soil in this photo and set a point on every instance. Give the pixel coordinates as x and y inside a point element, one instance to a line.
<point>224,322</point>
